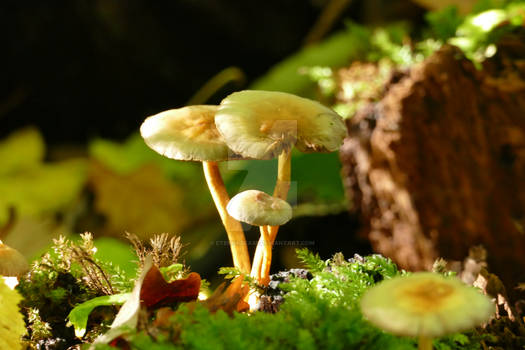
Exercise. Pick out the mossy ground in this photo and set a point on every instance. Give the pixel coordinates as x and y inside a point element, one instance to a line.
<point>319,310</point>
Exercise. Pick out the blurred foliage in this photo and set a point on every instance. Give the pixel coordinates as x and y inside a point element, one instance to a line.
<point>125,158</point>
<point>142,202</point>
<point>335,51</point>
<point>315,177</point>
<point>32,187</point>
<point>478,33</point>
<point>119,186</point>
<point>118,252</point>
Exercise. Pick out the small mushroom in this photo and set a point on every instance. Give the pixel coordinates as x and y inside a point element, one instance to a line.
<point>12,265</point>
<point>12,262</point>
<point>260,209</point>
<point>425,305</point>
<point>189,133</point>
<point>267,124</point>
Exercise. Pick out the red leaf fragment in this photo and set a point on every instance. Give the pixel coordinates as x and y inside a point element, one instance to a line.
<point>156,291</point>
<point>120,343</point>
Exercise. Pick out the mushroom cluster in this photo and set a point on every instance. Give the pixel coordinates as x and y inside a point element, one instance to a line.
<point>247,125</point>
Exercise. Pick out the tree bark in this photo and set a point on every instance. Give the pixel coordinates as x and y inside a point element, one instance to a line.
<point>438,164</point>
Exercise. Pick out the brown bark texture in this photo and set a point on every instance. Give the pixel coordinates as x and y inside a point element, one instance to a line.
<point>438,164</point>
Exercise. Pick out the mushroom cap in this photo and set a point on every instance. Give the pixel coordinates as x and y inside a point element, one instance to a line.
<point>12,262</point>
<point>425,304</point>
<point>262,124</point>
<point>258,208</point>
<point>187,133</point>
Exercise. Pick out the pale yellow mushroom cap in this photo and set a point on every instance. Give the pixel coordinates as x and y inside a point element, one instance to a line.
<point>258,208</point>
<point>12,262</point>
<point>262,124</point>
<point>187,133</point>
<point>425,304</point>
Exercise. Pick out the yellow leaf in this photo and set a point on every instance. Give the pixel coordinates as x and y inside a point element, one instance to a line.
<point>21,149</point>
<point>41,189</point>
<point>143,202</point>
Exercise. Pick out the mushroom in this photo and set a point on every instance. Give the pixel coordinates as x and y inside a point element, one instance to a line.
<point>260,209</point>
<point>267,124</point>
<point>425,305</point>
<point>189,133</point>
<point>12,264</point>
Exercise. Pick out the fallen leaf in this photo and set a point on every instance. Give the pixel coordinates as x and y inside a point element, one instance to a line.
<point>128,314</point>
<point>78,317</point>
<point>144,201</point>
<point>157,292</point>
<point>230,300</point>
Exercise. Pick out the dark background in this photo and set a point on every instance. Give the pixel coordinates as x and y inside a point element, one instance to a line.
<point>83,68</point>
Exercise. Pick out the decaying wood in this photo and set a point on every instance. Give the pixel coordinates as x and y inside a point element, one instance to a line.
<point>438,164</point>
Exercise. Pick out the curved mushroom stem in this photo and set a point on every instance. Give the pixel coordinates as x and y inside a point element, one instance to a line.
<point>265,265</point>
<point>425,343</point>
<point>282,186</point>
<point>238,246</point>
<point>258,257</point>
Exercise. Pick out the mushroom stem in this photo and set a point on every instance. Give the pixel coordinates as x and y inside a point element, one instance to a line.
<point>264,276</point>
<point>425,343</point>
<point>282,186</point>
<point>258,257</point>
<point>238,246</point>
<point>284,171</point>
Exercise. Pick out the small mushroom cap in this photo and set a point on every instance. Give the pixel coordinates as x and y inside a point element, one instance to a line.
<point>258,208</point>
<point>262,124</point>
<point>426,304</point>
<point>187,133</point>
<point>12,263</point>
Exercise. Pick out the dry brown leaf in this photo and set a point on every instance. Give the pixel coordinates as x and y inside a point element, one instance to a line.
<point>232,299</point>
<point>144,202</point>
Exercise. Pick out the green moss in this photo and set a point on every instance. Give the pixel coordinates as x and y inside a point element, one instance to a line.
<point>320,313</point>
<point>66,276</point>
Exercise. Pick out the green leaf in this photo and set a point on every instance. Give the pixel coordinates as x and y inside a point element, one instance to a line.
<point>229,272</point>
<point>21,149</point>
<point>42,189</point>
<point>172,272</point>
<point>128,156</point>
<point>118,253</point>
<point>315,177</point>
<point>78,317</point>
<point>445,22</point>
<point>336,50</point>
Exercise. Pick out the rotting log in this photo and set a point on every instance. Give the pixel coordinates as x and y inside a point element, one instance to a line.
<point>437,165</point>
